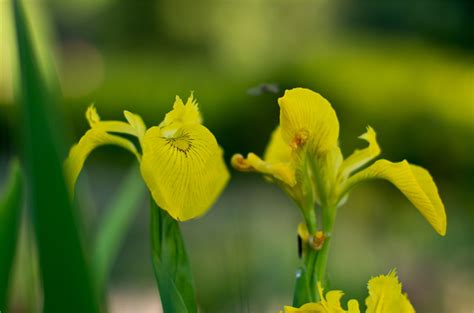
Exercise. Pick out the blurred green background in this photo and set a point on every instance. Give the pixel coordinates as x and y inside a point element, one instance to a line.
<point>406,68</point>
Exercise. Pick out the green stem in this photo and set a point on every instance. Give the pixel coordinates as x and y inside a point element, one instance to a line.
<point>329,215</point>
<point>321,262</point>
<point>311,261</point>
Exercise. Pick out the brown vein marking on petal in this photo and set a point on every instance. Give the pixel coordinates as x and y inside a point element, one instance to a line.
<point>183,143</point>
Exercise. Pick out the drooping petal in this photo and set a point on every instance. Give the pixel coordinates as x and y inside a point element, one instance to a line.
<point>92,139</point>
<point>184,170</point>
<point>414,182</point>
<point>98,135</point>
<point>308,118</point>
<point>385,295</point>
<point>361,157</point>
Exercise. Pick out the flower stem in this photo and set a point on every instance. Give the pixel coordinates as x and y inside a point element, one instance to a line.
<point>329,215</point>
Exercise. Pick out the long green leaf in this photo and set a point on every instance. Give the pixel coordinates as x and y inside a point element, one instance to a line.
<point>301,294</point>
<point>118,217</point>
<point>10,208</point>
<point>67,285</point>
<point>170,261</point>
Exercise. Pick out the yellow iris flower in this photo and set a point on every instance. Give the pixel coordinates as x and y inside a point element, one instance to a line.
<point>385,296</point>
<point>304,158</point>
<point>180,160</point>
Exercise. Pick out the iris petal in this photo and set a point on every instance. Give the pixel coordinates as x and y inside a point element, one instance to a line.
<point>91,140</point>
<point>308,118</point>
<point>414,182</point>
<point>98,135</point>
<point>185,172</point>
<point>277,150</point>
<point>361,157</point>
<point>385,295</point>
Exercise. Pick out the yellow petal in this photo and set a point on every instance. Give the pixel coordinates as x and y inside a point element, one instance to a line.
<point>353,306</point>
<point>414,182</point>
<point>277,150</point>
<point>136,122</point>
<point>385,295</point>
<point>97,136</point>
<point>361,157</point>
<point>184,171</point>
<point>307,308</point>
<point>331,303</point>
<point>182,114</point>
<point>92,139</point>
<point>108,126</point>
<point>303,232</point>
<point>281,171</point>
<point>92,116</point>
<point>307,118</point>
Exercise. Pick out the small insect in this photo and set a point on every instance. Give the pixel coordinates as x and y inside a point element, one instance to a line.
<point>263,88</point>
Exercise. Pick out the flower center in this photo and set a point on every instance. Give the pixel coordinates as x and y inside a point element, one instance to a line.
<point>182,142</point>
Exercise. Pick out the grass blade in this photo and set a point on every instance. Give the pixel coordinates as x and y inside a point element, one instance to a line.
<point>170,261</point>
<point>67,285</point>
<point>116,222</point>
<point>10,208</point>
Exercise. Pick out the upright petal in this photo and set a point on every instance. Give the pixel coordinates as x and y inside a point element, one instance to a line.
<point>183,113</point>
<point>184,171</point>
<point>277,150</point>
<point>307,118</point>
<point>385,295</point>
<point>361,157</point>
<point>414,182</point>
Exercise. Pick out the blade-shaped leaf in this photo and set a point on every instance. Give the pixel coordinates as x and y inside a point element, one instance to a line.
<point>301,294</point>
<point>66,282</point>
<point>10,208</point>
<point>116,222</point>
<point>170,261</point>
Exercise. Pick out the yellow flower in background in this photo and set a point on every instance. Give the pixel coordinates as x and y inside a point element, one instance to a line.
<point>303,157</point>
<point>385,296</point>
<point>180,160</point>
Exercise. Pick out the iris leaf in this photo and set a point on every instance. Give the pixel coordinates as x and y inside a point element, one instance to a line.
<point>10,208</point>
<point>67,285</point>
<point>116,222</point>
<point>170,262</point>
